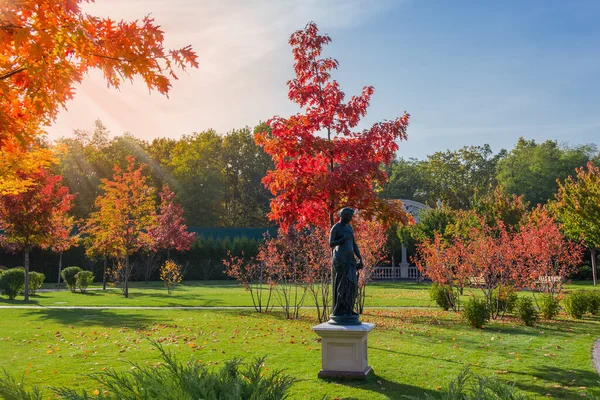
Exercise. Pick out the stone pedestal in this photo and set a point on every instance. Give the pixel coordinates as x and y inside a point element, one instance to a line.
<point>344,350</point>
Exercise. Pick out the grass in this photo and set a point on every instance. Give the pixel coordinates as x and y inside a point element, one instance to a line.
<point>413,351</point>
<point>228,294</point>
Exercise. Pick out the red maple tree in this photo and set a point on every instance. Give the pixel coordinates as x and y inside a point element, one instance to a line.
<point>170,231</point>
<point>321,164</point>
<point>545,253</point>
<point>32,218</point>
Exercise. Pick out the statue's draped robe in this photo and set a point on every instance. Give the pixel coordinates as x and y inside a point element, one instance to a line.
<point>345,281</point>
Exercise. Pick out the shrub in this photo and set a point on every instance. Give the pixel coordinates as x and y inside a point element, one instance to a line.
<point>83,279</point>
<point>12,282</point>
<point>68,275</point>
<point>549,306</point>
<point>36,280</point>
<point>504,299</point>
<point>577,304</point>
<point>476,312</point>
<point>170,274</point>
<point>443,295</point>
<point>526,311</point>
<point>468,386</point>
<point>594,301</point>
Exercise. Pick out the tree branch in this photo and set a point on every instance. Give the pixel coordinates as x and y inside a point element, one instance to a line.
<point>11,73</point>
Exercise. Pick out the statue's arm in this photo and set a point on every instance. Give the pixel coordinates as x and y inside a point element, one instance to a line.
<point>333,238</point>
<point>356,250</point>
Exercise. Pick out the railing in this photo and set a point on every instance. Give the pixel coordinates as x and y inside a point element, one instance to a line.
<point>400,272</point>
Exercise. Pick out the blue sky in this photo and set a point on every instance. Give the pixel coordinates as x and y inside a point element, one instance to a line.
<point>469,72</point>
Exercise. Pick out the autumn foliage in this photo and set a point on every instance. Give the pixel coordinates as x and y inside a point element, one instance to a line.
<point>47,46</point>
<point>170,232</point>
<point>529,255</point>
<point>170,274</point>
<point>37,217</point>
<point>577,206</point>
<point>321,163</point>
<point>125,215</point>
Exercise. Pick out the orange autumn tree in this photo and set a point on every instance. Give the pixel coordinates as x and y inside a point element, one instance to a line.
<point>577,207</point>
<point>321,163</point>
<point>46,47</point>
<point>125,215</point>
<point>35,217</point>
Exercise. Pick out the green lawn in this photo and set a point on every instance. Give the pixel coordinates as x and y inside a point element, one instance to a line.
<point>228,294</point>
<point>412,350</point>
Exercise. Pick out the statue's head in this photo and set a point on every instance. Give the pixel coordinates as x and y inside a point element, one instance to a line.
<point>346,214</point>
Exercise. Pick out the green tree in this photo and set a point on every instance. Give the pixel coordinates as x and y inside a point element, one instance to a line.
<point>577,206</point>
<point>246,200</point>
<point>532,169</point>
<point>196,164</point>
<point>455,177</point>
<point>407,180</point>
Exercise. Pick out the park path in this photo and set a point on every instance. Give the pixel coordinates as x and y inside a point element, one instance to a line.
<point>596,355</point>
<point>180,307</point>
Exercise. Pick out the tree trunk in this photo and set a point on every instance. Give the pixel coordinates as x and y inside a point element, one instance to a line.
<point>127,275</point>
<point>59,267</point>
<point>104,274</point>
<point>26,262</point>
<point>593,252</point>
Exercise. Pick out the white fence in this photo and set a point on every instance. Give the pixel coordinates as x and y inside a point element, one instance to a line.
<point>399,272</point>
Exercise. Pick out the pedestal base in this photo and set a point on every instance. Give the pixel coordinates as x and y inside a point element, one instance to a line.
<point>344,350</point>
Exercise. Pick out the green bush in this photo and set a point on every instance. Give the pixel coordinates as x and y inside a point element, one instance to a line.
<point>173,379</point>
<point>594,301</point>
<point>476,312</point>
<point>83,279</point>
<point>526,311</point>
<point>577,304</point>
<point>12,282</point>
<point>549,306</point>
<point>68,275</point>
<point>468,386</point>
<point>504,299</point>
<point>443,295</point>
<point>36,280</point>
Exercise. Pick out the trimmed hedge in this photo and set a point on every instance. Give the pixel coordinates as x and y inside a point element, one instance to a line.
<point>36,280</point>
<point>83,279</point>
<point>12,282</point>
<point>68,275</point>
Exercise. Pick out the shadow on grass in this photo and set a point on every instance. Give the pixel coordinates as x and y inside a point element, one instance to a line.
<point>20,302</point>
<point>389,389</point>
<point>87,317</point>
<point>564,377</point>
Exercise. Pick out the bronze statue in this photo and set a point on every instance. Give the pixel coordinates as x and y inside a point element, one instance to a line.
<point>345,279</point>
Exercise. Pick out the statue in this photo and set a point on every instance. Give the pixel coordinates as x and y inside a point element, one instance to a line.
<point>345,279</point>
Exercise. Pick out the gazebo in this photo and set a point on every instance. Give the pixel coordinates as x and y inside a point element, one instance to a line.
<point>402,270</point>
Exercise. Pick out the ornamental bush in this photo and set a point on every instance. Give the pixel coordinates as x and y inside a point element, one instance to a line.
<point>443,295</point>
<point>526,311</point>
<point>577,304</point>
<point>594,301</point>
<point>68,275</point>
<point>504,299</point>
<point>549,306</point>
<point>170,274</point>
<point>36,280</point>
<point>83,279</point>
<point>476,312</point>
<point>12,282</point>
